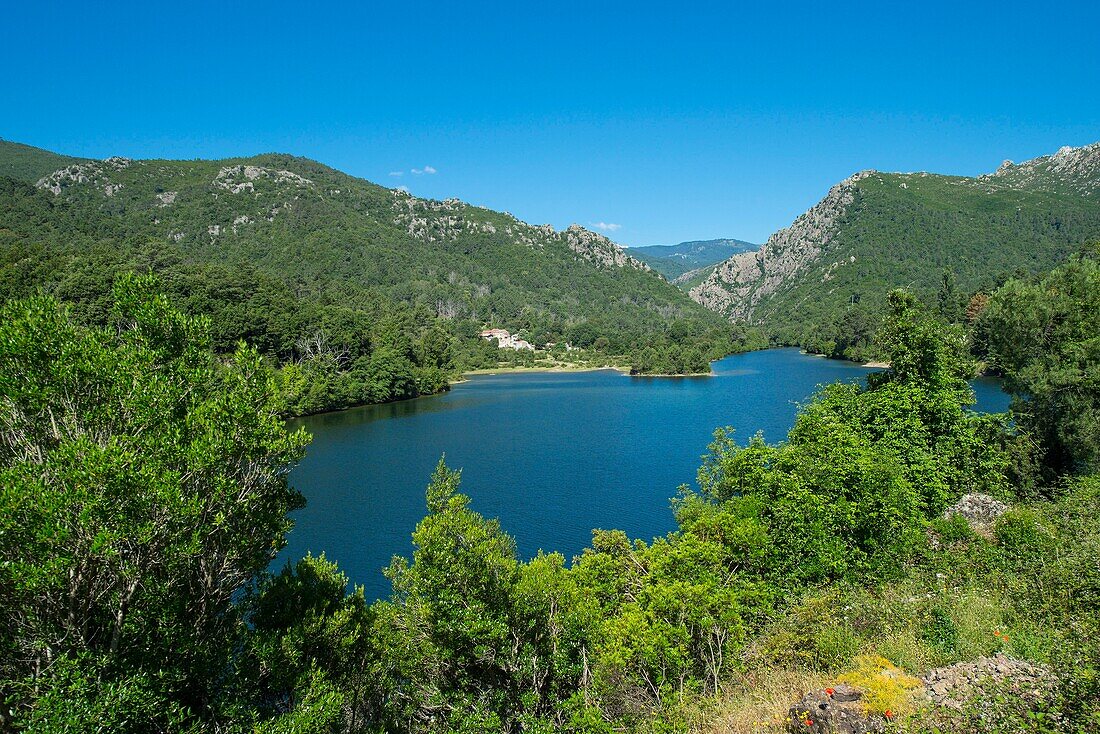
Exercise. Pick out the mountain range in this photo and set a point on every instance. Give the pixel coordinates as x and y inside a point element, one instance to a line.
<point>286,252</point>
<point>673,261</point>
<point>930,233</point>
<point>279,250</point>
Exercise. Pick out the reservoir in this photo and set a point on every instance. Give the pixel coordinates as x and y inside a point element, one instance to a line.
<point>551,455</point>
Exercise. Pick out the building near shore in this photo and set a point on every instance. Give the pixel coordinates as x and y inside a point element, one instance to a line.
<point>507,340</point>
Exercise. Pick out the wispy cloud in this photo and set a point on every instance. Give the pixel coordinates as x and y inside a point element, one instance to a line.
<point>608,226</point>
<point>395,174</point>
<point>425,169</point>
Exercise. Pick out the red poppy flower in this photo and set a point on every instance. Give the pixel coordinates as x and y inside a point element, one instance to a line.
<point>888,713</point>
<point>829,691</point>
<point>808,722</point>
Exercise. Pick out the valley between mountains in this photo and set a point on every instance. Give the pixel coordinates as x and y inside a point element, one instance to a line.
<point>365,294</point>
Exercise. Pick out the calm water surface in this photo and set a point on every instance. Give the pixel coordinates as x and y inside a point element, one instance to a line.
<point>552,455</point>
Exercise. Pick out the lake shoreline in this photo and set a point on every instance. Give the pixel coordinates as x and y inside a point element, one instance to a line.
<point>563,370</point>
<point>535,370</point>
<point>873,364</point>
<point>551,454</point>
<point>465,375</point>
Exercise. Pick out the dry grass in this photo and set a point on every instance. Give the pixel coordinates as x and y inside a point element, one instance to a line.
<point>759,702</point>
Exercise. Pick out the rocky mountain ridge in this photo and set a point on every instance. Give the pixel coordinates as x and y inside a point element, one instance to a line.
<point>1070,169</point>
<point>905,229</point>
<point>736,285</point>
<point>427,220</point>
<point>281,227</point>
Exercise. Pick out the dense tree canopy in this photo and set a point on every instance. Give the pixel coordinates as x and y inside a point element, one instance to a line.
<point>142,487</point>
<point>333,277</point>
<point>1044,335</point>
<point>143,493</point>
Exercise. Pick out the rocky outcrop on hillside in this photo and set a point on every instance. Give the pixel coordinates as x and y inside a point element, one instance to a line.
<point>838,710</point>
<point>430,220</point>
<point>275,188</point>
<point>441,221</point>
<point>737,285</point>
<point>952,686</point>
<point>939,697</point>
<point>905,227</point>
<point>239,179</point>
<point>979,510</point>
<point>598,249</point>
<point>1071,169</point>
<point>96,173</point>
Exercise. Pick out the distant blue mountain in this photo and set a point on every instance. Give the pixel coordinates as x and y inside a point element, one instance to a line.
<point>673,261</point>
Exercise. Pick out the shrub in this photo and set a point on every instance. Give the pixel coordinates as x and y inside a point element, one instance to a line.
<point>885,686</point>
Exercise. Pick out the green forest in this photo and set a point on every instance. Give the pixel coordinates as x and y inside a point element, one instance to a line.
<point>361,294</point>
<point>144,491</point>
<point>944,238</point>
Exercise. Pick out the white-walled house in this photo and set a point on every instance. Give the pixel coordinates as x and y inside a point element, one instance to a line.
<point>506,340</point>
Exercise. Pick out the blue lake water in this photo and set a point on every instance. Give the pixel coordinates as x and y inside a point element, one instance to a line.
<point>552,455</point>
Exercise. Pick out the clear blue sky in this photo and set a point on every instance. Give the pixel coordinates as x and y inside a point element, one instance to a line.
<point>673,121</point>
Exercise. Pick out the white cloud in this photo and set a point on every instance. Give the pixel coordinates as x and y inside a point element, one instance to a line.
<point>403,188</point>
<point>425,169</point>
<point>397,173</point>
<point>608,226</point>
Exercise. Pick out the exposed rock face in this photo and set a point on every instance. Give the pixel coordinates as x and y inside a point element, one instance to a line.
<point>238,179</point>
<point>434,221</point>
<point>836,710</point>
<point>1070,169</point>
<point>442,221</point>
<point>979,510</point>
<point>737,285</point>
<point>94,172</point>
<point>598,249</point>
<point>953,685</point>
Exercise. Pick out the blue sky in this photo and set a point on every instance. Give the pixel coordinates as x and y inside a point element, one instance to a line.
<point>668,121</point>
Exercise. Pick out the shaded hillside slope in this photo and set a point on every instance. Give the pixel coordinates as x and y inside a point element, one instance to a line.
<point>27,163</point>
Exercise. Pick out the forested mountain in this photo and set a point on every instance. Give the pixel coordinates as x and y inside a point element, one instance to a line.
<point>385,290</point>
<point>672,261</point>
<point>940,236</point>
<point>27,163</point>
<point>144,488</point>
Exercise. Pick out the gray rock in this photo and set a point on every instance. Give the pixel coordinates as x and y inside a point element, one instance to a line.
<point>979,510</point>
<point>952,685</point>
<point>737,285</point>
<point>839,712</point>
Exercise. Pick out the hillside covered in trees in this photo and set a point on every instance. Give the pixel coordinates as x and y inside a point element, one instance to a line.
<point>364,294</point>
<point>143,491</point>
<point>822,279</point>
